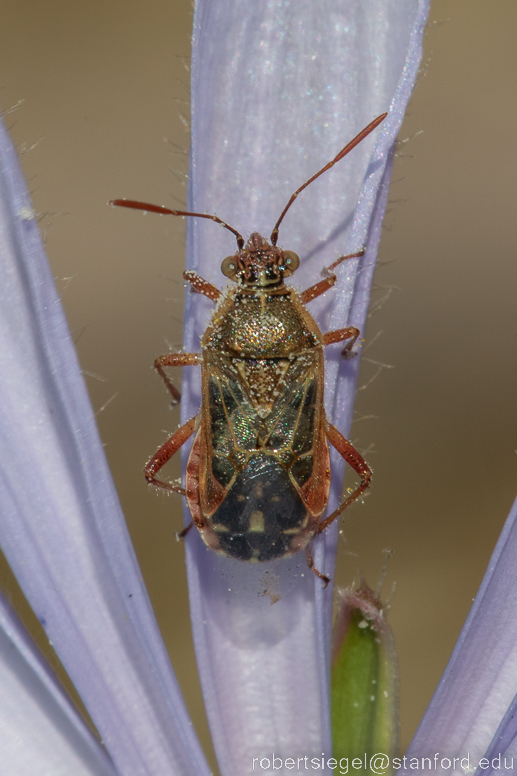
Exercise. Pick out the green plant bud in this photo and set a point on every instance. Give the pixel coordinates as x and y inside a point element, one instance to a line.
<point>364,692</point>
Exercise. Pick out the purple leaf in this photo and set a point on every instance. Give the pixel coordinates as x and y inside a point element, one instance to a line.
<point>62,530</point>
<point>278,89</point>
<point>471,712</point>
<point>41,731</point>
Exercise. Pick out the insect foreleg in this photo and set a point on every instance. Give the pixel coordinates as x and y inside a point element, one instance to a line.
<point>201,286</point>
<point>165,453</point>
<point>319,288</point>
<point>175,359</point>
<point>357,462</point>
<point>338,335</point>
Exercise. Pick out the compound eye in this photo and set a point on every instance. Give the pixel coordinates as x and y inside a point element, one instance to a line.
<point>229,267</point>
<point>291,260</point>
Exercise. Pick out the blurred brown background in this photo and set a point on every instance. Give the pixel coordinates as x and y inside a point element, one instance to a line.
<point>103,84</point>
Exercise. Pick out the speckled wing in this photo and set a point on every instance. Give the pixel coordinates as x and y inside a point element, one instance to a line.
<point>264,431</point>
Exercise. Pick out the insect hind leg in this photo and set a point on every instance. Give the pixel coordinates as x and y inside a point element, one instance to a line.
<point>357,462</point>
<point>180,535</point>
<point>310,563</point>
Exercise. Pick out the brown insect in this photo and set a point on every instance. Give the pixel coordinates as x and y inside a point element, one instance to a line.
<point>258,475</point>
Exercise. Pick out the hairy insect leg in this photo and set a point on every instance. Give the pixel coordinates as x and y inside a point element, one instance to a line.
<point>338,335</point>
<point>201,286</point>
<point>175,359</point>
<point>165,453</point>
<point>310,563</point>
<point>180,535</point>
<point>319,288</point>
<point>357,462</point>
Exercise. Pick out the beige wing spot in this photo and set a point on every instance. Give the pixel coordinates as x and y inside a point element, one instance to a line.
<point>218,528</point>
<point>256,522</point>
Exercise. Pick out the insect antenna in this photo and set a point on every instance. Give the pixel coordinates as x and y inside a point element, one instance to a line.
<point>352,144</point>
<point>164,210</point>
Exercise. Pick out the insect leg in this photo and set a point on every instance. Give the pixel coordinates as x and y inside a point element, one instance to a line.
<point>319,288</point>
<point>310,563</point>
<point>165,453</point>
<point>175,359</point>
<point>352,457</point>
<point>201,286</point>
<point>180,535</point>
<point>338,335</point>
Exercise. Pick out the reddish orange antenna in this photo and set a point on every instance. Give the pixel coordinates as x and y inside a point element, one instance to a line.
<point>136,205</point>
<point>352,144</point>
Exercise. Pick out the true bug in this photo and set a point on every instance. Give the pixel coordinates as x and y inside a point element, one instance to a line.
<point>258,475</point>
